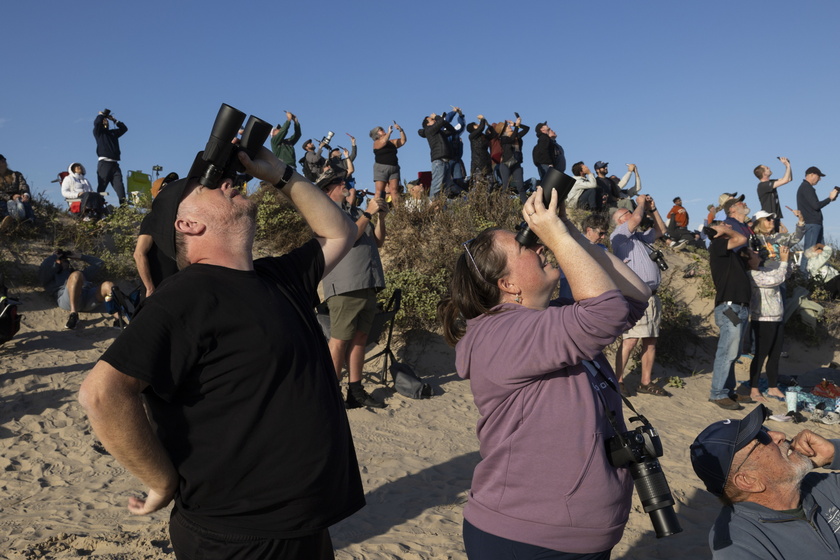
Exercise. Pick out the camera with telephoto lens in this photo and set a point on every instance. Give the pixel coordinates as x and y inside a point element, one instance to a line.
<point>656,256</point>
<point>554,180</point>
<point>219,159</point>
<point>638,450</point>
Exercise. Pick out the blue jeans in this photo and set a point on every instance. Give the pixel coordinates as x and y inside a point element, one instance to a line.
<point>813,235</point>
<point>440,177</point>
<point>723,375</point>
<point>20,210</point>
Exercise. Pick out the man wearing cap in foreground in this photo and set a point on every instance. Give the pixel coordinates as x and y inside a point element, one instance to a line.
<point>246,430</point>
<point>774,507</point>
<point>811,206</point>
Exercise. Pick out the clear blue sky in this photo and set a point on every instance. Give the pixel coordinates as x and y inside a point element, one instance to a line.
<point>696,93</point>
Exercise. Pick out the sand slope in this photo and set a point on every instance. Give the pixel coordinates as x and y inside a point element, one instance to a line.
<point>62,497</point>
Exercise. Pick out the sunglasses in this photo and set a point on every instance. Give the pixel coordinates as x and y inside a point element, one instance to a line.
<point>763,438</point>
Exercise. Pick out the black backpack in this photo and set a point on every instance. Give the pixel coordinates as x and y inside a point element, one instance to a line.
<point>9,318</point>
<point>408,384</point>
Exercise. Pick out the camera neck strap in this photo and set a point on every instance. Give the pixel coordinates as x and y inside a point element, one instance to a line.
<point>600,381</point>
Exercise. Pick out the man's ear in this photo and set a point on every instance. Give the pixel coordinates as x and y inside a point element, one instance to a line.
<point>189,227</point>
<point>747,482</point>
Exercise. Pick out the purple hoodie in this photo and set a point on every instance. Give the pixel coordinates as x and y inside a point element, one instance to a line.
<point>544,478</point>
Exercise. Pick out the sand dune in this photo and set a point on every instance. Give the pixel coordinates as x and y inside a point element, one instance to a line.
<point>63,497</point>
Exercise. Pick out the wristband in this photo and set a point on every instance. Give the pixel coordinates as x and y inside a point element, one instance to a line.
<point>367,214</point>
<point>284,180</point>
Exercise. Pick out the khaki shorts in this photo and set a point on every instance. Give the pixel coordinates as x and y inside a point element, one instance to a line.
<point>351,312</point>
<point>648,325</point>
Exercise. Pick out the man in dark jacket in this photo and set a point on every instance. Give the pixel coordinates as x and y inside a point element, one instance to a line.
<point>435,129</point>
<point>548,153</point>
<point>811,207</point>
<point>481,166</point>
<point>774,507</point>
<point>108,150</point>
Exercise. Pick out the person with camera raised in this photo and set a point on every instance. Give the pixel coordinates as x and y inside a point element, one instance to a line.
<point>108,149</point>
<point>811,207</point>
<point>774,507</point>
<point>635,248</point>
<point>282,147</point>
<point>543,388</point>
<point>246,430</point>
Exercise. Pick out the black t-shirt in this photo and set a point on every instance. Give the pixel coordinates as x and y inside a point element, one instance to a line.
<point>160,266</point>
<point>729,273</point>
<point>244,396</point>
<point>769,198</point>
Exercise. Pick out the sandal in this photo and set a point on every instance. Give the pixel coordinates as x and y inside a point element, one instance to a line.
<point>651,389</point>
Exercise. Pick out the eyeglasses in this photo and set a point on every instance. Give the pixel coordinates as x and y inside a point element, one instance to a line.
<point>602,233</point>
<point>763,438</point>
<point>467,249</point>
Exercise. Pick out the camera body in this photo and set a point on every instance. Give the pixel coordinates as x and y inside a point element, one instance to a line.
<point>106,113</point>
<point>218,160</point>
<point>638,450</point>
<point>554,180</point>
<point>657,257</point>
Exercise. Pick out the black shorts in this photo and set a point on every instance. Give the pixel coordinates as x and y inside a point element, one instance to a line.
<point>192,542</point>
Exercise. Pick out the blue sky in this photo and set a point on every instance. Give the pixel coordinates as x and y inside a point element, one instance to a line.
<point>695,93</point>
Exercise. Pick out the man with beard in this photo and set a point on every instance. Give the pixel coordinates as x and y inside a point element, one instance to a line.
<point>246,429</point>
<point>773,506</point>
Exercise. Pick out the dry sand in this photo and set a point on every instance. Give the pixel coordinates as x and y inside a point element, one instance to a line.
<point>62,497</point>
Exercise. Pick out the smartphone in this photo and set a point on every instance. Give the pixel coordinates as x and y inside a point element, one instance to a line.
<point>732,316</point>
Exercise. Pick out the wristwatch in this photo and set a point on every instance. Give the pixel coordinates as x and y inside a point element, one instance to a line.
<point>367,214</point>
<point>285,179</point>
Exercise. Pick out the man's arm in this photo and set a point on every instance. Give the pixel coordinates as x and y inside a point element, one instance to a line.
<point>115,409</point>
<point>638,214</point>
<point>121,128</point>
<point>333,228</point>
<point>785,179</point>
<point>141,259</point>
<point>734,239</point>
<point>658,224</point>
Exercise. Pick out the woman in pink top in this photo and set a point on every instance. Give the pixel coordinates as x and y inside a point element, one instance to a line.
<point>544,487</point>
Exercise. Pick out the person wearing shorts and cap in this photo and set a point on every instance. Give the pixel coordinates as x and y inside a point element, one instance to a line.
<point>774,507</point>
<point>75,290</point>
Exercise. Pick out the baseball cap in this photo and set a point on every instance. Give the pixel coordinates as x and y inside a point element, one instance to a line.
<point>725,196</point>
<point>815,170</point>
<point>601,165</point>
<point>732,202</point>
<point>540,125</point>
<point>762,214</point>
<point>163,181</point>
<point>713,450</point>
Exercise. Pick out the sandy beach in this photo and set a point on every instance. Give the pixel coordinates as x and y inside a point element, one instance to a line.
<point>63,496</point>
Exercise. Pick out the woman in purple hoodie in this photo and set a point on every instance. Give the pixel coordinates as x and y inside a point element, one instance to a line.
<point>544,487</point>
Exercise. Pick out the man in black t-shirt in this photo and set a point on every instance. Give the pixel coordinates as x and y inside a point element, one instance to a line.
<point>246,430</point>
<point>732,307</point>
<point>767,194</point>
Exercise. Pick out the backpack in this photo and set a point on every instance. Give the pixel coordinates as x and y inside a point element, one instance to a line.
<point>9,318</point>
<point>408,384</point>
<point>496,150</point>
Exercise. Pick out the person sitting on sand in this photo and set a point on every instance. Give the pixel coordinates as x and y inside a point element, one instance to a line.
<point>75,290</point>
<point>774,507</point>
<point>529,362</point>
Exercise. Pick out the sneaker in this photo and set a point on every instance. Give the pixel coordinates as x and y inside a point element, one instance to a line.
<point>726,403</point>
<point>679,245</point>
<point>361,398</point>
<point>72,320</point>
<point>746,399</point>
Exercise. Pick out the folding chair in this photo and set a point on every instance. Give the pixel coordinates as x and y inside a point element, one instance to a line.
<point>382,321</point>
<point>139,187</point>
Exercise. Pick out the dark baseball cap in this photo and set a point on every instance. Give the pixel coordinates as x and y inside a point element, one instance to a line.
<point>601,165</point>
<point>732,202</point>
<point>814,170</point>
<point>713,450</point>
